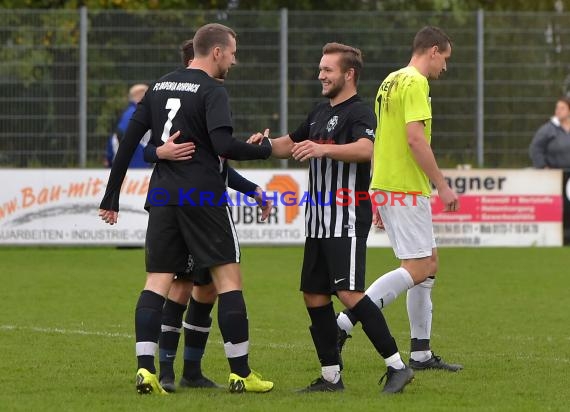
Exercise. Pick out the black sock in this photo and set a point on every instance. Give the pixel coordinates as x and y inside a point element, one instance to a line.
<point>324,333</point>
<point>196,330</point>
<point>232,320</point>
<point>172,313</point>
<point>350,316</point>
<point>375,326</point>
<point>147,328</point>
<point>417,345</point>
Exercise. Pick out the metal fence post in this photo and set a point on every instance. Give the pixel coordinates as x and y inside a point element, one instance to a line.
<point>82,115</point>
<point>283,74</point>
<point>480,88</point>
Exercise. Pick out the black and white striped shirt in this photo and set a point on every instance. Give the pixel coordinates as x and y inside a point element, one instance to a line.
<point>331,209</point>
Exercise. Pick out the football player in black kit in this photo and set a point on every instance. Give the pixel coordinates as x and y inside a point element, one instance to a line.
<point>193,288</point>
<point>186,202</point>
<point>337,139</point>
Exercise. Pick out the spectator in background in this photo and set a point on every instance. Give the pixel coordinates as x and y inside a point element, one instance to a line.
<point>550,147</point>
<point>136,93</point>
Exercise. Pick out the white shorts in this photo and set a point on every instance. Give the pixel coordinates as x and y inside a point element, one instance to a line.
<point>409,225</point>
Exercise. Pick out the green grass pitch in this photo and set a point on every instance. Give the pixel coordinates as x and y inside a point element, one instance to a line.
<point>66,335</point>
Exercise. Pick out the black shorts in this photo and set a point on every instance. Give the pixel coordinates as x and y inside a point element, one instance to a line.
<point>195,273</point>
<point>174,232</point>
<point>331,264</point>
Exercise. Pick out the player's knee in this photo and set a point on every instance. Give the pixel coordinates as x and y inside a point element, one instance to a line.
<point>349,298</point>
<point>314,300</point>
<point>159,283</point>
<point>226,277</point>
<point>432,267</point>
<point>429,268</point>
<point>421,269</point>
<point>180,292</point>
<point>210,295</point>
<point>205,294</point>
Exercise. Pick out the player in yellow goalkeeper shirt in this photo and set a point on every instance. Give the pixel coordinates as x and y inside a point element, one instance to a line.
<point>404,164</point>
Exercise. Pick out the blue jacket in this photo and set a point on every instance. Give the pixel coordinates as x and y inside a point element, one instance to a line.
<point>137,160</point>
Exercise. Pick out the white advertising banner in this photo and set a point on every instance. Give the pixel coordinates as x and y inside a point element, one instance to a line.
<point>499,207</point>
<point>59,207</point>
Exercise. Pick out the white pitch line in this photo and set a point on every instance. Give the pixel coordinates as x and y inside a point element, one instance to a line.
<point>123,335</point>
<point>67,331</point>
<point>286,346</point>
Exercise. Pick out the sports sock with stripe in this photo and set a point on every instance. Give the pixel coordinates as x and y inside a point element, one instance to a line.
<point>148,314</point>
<point>196,330</point>
<point>375,326</point>
<point>420,307</point>
<point>172,313</point>
<point>324,333</point>
<point>232,320</point>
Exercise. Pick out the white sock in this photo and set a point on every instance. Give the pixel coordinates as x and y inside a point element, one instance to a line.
<point>331,373</point>
<point>420,314</point>
<point>395,361</point>
<point>388,286</point>
<point>421,355</point>
<point>344,322</point>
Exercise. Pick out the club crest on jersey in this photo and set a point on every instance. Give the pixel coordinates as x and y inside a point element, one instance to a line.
<point>332,123</point>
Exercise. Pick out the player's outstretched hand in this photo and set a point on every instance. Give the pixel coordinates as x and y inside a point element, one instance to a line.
<point>175,151</point>
<point>257,138</point>
<point>109,216</point>
<point>265,210</point>
<point>265,206</point>
<point>306,150</point>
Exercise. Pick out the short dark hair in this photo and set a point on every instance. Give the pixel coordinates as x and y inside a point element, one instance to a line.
<point>351,57</point>
<point>187,52</point>
<point>428,37</point>
<point>564,99</point>
<point>211,35</point>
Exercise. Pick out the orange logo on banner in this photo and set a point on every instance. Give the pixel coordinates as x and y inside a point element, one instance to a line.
<point>285,183</point>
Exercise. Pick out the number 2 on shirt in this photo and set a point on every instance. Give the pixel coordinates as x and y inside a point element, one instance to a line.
<point>173,105</point>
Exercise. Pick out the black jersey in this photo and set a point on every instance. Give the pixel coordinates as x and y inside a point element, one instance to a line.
<point>189,101</point>
<point>327,214</point>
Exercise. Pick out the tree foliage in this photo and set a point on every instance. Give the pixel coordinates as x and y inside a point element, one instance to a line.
<point>354,5</point>
<point>40,52</point>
